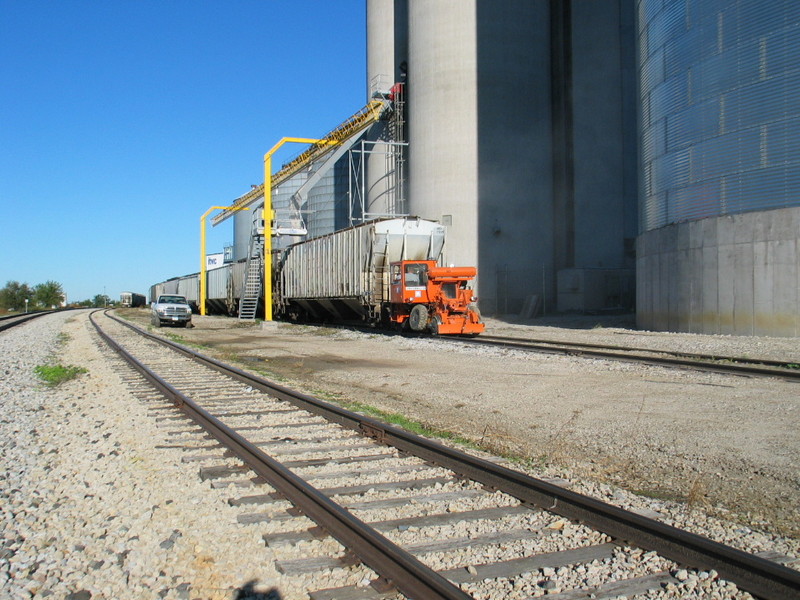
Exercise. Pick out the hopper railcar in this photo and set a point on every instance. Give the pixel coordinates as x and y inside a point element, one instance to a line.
<point>132,300</point>
<point>384,272</point>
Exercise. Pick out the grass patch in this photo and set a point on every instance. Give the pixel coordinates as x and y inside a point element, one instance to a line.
<point>271,375</point>
<point>402,421</point>
<point>174,337</point>
<point>253,364</point>
<point>53,375</point>
<point>418,428</point>
<point>62,338</point>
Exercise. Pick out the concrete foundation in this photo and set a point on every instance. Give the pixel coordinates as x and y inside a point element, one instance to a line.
<point>595,290</point>
<point>734,275</point>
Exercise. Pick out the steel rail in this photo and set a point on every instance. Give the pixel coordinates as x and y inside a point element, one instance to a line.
<point>7,322</point>
<point>391,562</point>
<point>687,360</point>
<point>693,355</point>
<point>628,355</point>
<point>762,578</point>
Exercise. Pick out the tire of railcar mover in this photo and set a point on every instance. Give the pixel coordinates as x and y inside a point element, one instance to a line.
<point>418,319</point>
<point>435,322</point>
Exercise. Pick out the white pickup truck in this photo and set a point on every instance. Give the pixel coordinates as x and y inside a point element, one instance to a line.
<point>171,309</point>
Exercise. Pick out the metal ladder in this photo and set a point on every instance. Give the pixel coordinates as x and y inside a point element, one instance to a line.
<point>253,274</point>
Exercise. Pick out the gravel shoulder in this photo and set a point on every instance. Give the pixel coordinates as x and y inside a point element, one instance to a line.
<point>92,506</point>
<point>725,444</point>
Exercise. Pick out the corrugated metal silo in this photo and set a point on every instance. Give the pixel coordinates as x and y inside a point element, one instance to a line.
<point>242,222</point>
<point>320,218</point>
<point>288,209</point>
<point>720,149</point>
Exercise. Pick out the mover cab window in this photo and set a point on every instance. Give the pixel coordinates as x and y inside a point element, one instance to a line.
<point>416,275</point>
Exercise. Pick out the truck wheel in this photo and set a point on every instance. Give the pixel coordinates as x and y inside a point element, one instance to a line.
<point>418,319</point>
<point>435,322</point>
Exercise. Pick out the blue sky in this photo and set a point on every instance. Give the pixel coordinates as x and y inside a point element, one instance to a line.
<point>122,121</point>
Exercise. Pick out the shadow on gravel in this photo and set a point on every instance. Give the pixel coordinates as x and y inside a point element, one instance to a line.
<point>248,592</point>
<point>575,321</point>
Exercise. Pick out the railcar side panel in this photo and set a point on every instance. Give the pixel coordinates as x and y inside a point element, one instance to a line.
<point>347,271</point>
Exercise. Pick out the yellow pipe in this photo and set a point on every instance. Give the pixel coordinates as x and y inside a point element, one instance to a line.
<point>203,282</point>
<point>268,217</point>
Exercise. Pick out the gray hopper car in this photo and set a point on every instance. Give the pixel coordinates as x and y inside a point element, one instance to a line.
<point>344,276</point>
<point>131,299</point>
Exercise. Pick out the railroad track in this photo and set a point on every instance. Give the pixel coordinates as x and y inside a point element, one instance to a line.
<point>9,321</point>
<point>377,511</point>
<point>664,358</point>
<point>731,365</point>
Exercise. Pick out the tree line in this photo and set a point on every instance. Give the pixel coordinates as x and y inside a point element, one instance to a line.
<point>49,294</point>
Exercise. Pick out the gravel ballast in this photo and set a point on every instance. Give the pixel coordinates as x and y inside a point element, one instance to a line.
<point>721,443</point>
<point>91,508</point>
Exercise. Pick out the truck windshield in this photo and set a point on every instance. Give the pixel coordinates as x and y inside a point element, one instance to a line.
<point>172,300</point>
<point>416,275</point>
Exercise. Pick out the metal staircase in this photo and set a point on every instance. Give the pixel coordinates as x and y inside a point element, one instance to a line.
<point>253,273</point>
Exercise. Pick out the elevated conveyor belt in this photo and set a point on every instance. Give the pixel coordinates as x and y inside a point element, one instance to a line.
<point>349,128</point>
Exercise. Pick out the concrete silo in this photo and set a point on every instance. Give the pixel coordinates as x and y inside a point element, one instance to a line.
<point>521,131</point>
<point>381,149</point>
<point>720,156</point>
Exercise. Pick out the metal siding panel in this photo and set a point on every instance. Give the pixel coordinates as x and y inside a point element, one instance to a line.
<point>238,278</point>
<point>218,283</point>
<point>728,95</point>
<point>338,265</point>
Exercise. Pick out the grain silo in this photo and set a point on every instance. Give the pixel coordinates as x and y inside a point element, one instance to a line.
<point>720,158</point>
<point>521,131</point>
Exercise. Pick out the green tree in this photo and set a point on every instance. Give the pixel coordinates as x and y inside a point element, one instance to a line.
<point>14,294</point>
<point>101,300</point>
<point>49,294</point>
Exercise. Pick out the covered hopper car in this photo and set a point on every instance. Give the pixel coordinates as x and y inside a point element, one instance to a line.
<point>384,272</point>
<point>131,299</point>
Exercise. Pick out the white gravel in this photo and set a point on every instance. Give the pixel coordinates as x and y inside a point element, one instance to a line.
<point>91,509</point>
